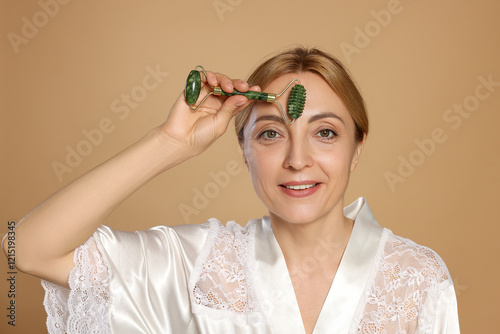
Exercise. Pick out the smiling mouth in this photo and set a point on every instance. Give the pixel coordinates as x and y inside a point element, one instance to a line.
<point>301,187</point>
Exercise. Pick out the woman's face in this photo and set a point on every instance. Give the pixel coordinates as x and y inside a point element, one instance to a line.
<point>300,171</point>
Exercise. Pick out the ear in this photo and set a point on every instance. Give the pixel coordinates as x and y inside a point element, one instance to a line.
<point>357,153</point>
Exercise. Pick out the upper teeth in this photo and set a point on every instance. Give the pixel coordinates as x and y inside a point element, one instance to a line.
<point>302,187</point>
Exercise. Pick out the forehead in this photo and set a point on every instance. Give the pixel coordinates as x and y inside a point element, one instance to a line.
<point>320,97</point>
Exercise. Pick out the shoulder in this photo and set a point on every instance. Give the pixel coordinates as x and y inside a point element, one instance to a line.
<point>409,259</point>
<point>109,235</point>
<point>211,223</point>
<point>190,237</point>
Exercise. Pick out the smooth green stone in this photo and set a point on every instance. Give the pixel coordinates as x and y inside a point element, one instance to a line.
<point>250,95</point>
<point>193,87</point>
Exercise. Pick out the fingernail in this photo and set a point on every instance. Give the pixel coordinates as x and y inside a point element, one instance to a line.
<point>239,104</point>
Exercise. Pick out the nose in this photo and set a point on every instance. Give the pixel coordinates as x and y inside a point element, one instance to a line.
<point>298,155</point>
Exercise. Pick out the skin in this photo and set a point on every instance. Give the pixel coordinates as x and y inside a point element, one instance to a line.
<point>318,149</point>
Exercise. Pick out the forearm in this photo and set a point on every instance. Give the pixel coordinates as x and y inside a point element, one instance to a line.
<point>70,216</point>
<point>47,237</point>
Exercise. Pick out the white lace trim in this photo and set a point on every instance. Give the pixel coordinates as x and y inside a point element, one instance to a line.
<point>56,306</point>
<point>222,283</point>
<point>408,277</point>
<point>84,307</point>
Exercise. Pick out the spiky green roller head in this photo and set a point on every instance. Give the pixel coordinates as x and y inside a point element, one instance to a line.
<point>296,101</point>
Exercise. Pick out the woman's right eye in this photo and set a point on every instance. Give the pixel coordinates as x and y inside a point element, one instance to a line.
<point>269,134</point>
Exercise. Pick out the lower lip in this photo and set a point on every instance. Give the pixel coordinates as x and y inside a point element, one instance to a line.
<point>301,193</point>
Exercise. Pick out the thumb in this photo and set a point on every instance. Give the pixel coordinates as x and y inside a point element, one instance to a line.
<point>232,106</point>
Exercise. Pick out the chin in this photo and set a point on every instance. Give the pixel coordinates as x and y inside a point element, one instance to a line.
<point>294,216</point>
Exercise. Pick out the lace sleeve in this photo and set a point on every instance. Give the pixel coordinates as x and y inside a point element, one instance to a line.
<point>406,290</point>
<point>84,307</point>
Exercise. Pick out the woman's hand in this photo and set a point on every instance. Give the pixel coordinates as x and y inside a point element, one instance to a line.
<point>196,130</point>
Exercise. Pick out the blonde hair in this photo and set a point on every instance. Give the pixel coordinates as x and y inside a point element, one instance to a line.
<point>301,59</point>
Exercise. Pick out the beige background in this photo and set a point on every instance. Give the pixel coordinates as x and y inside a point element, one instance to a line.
<point>427,57</point>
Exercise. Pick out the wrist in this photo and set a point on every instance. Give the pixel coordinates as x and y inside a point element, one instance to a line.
<point>167,151</point>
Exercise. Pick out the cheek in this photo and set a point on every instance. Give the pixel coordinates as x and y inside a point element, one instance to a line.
<point>262,163</point>
<point>335,160</point>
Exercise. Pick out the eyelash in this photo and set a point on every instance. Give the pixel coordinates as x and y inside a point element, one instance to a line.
<point>263,136</point>
<point>332,134</point>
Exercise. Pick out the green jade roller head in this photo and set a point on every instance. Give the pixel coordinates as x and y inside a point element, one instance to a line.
<point>296,100</point>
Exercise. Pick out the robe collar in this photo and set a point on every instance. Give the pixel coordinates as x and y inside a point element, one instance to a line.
<point>276,290</point>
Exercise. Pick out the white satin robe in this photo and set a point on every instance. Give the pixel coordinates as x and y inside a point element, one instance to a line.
<point>213,279</point>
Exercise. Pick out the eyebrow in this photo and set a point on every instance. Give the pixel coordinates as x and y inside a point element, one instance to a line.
<point>314,118</point>
<point>274,118</point>
<point>325,115</point>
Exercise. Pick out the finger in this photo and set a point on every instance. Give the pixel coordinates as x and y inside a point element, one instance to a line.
<point>226,83</point>
<point>211,79</point>
<point>255,89</point>
<point>232,106</point>
<point>240,85</point>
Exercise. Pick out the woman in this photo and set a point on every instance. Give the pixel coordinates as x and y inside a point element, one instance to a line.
<point>311,266</point>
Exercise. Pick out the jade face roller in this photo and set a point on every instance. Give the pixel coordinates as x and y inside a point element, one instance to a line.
<point>296,100</point>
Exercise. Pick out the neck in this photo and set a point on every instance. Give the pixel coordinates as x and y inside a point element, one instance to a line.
<point>322,242</point>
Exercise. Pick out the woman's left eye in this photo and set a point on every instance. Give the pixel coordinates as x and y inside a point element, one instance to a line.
<point>327,133</point>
